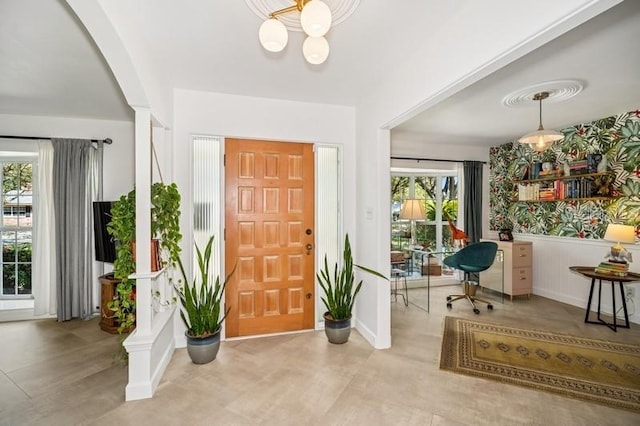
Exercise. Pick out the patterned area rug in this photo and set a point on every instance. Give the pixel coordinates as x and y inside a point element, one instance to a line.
<point>589,369</point>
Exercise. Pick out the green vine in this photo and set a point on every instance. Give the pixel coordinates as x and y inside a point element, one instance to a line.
<point>165,226</point>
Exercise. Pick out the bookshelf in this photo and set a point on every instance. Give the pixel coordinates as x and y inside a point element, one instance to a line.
<point>577,187</point>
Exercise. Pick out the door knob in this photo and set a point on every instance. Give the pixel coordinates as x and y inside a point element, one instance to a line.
<point>309,247</point>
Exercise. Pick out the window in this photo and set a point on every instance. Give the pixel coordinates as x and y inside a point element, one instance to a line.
<point>16,227</point>
<point>439,192</point>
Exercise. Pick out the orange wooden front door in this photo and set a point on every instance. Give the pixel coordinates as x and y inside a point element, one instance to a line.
<point>269,221</point>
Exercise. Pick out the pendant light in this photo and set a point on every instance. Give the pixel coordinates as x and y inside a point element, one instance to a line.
<point>273,35</point>
<point>315,19</point>
<point>541,139</point>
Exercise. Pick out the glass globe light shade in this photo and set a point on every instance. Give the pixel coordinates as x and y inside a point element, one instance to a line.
<point>541,139</point>
<point>315,50</point>
<point>273,35</point>
<point>315,18</point>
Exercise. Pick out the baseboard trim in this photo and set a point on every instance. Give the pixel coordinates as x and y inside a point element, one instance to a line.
<point>144,350</point>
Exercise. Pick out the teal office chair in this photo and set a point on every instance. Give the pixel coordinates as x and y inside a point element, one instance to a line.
<point>473,258</point>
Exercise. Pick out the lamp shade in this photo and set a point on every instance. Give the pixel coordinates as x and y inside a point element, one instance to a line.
<point>540,140</point>
<point>315,18</point>
<point>273,35</point>
<point>315,50</point>
<point>413,209</point>
<point>618,233</point>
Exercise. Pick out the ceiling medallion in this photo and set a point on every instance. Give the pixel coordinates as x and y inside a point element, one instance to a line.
<point>557,91</point>
<point>340,10</point>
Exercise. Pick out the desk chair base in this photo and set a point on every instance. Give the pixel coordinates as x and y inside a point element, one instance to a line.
<point>469,295</point>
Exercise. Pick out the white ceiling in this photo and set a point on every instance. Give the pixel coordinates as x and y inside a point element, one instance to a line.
<point>49,66</point>
<point>602,54</point>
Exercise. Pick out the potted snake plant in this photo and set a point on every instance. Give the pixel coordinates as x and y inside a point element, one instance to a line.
<point>202,308</point>
<point>340,291</point>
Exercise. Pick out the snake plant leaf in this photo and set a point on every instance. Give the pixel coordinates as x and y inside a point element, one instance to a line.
<point>340,288</point>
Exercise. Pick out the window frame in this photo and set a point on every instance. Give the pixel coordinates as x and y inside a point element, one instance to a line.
<point>439,221</point>
<point>28,158</point>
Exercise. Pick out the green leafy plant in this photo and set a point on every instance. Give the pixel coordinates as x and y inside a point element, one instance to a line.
<point>165,226</point>
<point>340,289</point>
<point>202,311</point>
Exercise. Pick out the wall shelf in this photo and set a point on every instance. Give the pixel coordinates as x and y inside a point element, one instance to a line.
<point>579,187</point>
<point>566,199</point>
<point>553,178</point>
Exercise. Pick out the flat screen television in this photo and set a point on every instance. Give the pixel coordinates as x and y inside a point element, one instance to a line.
<point>105,247</point>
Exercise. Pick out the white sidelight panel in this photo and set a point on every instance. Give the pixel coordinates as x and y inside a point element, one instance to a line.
<point>208,196</point>
<point>329,236</point>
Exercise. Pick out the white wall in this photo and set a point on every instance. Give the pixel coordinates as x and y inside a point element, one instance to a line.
<point>444,65</point>
<point>204,113</point>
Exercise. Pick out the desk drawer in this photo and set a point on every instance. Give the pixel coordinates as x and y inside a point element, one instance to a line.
<point>522,255</point>
<point>522,281</point>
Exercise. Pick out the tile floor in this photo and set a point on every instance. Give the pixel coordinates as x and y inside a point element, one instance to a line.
<point>65,374</point>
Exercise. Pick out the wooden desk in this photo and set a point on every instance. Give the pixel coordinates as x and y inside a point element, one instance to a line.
<point>589,272</point>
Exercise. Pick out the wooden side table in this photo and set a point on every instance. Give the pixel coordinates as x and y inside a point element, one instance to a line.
<point>108,291</point>
<point>589,272</point>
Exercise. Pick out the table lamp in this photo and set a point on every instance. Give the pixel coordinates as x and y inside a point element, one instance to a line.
<point>413,209</point>
<point>620,234</point>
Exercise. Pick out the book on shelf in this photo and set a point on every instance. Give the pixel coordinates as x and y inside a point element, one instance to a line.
<point>546,194</point>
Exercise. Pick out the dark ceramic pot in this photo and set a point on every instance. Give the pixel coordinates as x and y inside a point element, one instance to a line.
<point>337,331</point>
<point>203,349</point>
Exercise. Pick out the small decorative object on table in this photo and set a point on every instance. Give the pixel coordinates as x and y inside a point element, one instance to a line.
<point>619,233</point>
<point>505,235</point>
<point>593,161</point>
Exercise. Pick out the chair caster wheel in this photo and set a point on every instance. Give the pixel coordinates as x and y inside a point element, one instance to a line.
<point>476,311</point>
<point>449,305</point>
<point>490,307</point>
<point>448,298</point>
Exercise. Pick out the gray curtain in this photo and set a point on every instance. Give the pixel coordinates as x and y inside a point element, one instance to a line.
<point>473,200</point>
<point>74,175</point>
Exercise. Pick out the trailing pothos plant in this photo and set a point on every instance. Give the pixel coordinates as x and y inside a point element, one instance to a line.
<point>165,226</point>
<point>340,288</point>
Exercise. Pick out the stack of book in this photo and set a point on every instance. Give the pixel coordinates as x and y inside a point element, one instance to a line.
<point>546,194</point>
<point>579,167</point>
<point>618,269</point>
<point>550,173</point>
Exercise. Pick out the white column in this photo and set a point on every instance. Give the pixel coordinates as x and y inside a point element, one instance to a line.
<point>144,311</point>
<point>151,345</point>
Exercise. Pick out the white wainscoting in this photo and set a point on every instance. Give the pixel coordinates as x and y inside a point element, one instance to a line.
<point>552,278</point>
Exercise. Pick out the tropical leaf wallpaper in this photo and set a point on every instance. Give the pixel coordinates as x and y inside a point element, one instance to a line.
<point>617,138</point>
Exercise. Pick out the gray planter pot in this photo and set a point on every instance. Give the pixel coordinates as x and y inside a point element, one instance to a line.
<point>337,331</point>
<point>203,349</point>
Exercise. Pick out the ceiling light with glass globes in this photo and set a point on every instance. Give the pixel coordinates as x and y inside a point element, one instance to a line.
<point>315,19</point>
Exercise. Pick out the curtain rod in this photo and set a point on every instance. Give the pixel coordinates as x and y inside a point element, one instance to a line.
<point>433,159</point>
<point>108,141</point>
